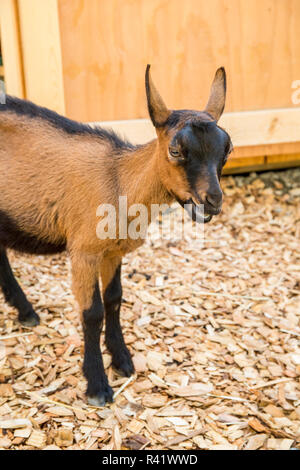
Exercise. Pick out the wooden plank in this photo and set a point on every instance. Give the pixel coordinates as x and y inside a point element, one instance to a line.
<point>236,163</point>
<point>255,164</point>
<point>42,53</point>
<point>11,48</point>
<point>105,50</point>
<point>270,126</point>
<point>137,131</point>
<point>244,158</point>
<point>283,159</point>
<point>256,131</point>
<point>285,148</point>
<point>1,71</point>
<point>250,163</point>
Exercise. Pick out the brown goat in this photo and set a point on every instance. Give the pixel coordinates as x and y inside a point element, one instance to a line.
<point>55,172</point>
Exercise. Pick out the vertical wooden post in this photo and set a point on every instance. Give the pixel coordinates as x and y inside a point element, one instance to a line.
<point>39,26</point>
<point>11,48</point>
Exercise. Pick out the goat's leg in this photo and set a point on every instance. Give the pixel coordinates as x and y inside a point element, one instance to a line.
<point>14,295</point>
<point>86,290</point>
<point>112,296</point>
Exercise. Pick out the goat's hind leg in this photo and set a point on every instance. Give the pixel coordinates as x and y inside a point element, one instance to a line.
<point>14,295</point>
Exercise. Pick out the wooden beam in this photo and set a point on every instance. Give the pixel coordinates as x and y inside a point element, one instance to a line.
<point>270,126</point>
<point>40,34</point>
<point>247,129</point>
<point>138,131</point>
<point>11,48</point>
<point>262,164</point>
<point>262,139</point>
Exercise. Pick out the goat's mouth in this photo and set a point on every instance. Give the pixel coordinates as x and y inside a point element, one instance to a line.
<point>196,212</point>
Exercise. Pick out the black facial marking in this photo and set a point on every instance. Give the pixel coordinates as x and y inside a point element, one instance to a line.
<point>98,388</point>
<point>179,115</point>
<point>204,146</point>
<point>11,236</point>
<point>121,358</point>
<point>32,111</point>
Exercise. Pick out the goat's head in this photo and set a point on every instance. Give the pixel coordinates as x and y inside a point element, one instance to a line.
<point>192,149</point>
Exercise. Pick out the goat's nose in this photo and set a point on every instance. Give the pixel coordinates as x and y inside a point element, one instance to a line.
<point>214,198</point>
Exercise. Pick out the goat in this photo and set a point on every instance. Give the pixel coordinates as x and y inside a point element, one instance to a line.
<point>54,174</point>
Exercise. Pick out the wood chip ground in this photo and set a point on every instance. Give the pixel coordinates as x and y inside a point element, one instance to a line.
<point>214,333</point>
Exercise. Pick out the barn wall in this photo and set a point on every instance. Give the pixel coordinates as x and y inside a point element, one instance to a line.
<point>87,58</point>
<point>107,43</point>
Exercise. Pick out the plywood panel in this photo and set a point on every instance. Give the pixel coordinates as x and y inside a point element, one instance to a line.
<point>42,53</point>
<point>106,45</point>
<point>11,48</point>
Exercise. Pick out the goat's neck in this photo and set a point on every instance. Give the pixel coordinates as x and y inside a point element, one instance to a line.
<point>139,176</point>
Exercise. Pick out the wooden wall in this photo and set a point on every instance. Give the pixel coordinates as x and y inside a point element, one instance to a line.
<point>31,49</point>
<point>107,43</point>
<point>41,49</point>
<point>11,48</point>
<point>87,59</point>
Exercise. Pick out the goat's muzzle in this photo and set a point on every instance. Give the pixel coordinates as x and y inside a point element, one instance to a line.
<point>197,212</point>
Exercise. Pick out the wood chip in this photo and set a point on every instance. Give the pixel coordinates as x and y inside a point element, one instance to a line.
<point>194,390</point>
<point>255,442</point>
<point>64,438</point>
<point>37,439</point>
<point>135,442</point>
<point>256,425</point>
<point>59,411</point>
<point>23,432</point>
<point>14,423</point>
<point>213,333</point>
<point>154,400</point>
<point>6,390</point>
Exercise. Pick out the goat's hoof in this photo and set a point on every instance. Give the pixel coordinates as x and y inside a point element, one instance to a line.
<point>101,398</point>
<point>29,320</point>
<point>123,365</point>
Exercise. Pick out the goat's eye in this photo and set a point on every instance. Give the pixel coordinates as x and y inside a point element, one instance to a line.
<point>174,152</point>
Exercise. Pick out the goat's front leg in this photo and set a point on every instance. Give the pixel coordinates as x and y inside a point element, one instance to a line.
<point>85,272</point>
<point>112,296</point>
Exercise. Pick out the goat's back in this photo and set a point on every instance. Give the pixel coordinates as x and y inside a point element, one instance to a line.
<point>51,180</point>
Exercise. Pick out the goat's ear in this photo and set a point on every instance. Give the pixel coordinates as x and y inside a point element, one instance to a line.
<point>158,111</point>
<point>216,101</point>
